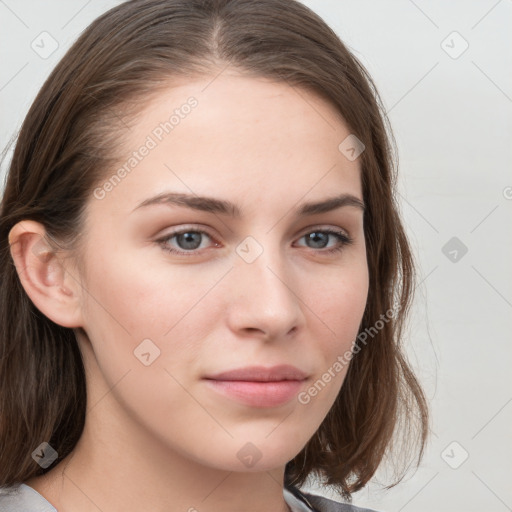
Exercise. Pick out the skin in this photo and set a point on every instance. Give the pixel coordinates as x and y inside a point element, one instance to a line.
<point>157,437</point>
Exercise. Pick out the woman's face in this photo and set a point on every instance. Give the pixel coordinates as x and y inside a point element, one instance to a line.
<point>257,277</point>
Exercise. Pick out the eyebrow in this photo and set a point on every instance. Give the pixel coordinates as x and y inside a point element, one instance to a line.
<point>220,206</point>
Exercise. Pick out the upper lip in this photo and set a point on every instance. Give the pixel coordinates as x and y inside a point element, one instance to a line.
<point>261,374</point>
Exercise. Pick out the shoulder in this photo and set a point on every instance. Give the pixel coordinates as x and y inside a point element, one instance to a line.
<point>322,504</point>
<point>23,498</point>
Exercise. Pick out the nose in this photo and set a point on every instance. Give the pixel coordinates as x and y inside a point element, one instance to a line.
<point>264,298</point>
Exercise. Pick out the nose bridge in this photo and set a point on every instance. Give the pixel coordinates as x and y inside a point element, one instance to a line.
<point>266,299</point>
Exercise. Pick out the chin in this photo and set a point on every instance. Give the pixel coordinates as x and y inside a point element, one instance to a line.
<point>256,454</point>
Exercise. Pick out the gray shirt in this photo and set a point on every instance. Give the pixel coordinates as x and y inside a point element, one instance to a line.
<point>24,498</point>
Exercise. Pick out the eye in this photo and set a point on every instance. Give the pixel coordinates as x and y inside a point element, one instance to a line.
<point>319,239</point>
<point>189,241</point>
<point>186,240</point>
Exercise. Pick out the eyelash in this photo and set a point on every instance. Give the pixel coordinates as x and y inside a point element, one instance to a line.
<point>344,240</point>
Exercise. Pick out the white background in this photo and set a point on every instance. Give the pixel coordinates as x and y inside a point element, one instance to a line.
<point>452,118</point>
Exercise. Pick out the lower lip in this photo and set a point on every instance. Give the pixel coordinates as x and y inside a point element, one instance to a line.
<point>258,394</point>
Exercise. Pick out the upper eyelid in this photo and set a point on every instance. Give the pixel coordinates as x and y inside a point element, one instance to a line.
<point>201,228</point>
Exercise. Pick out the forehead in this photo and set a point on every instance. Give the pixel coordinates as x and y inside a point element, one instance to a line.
<point>233,134</point>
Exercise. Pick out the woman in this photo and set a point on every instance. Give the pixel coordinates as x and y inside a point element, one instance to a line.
<point>204,274</point>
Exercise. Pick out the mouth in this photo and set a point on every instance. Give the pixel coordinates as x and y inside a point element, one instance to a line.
<point>258,386</point>
<point>261,374</point>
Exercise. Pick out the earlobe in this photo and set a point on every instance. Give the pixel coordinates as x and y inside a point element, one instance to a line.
<point>43,274</point>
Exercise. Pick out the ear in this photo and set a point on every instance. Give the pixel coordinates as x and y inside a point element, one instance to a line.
<point>53,287</point>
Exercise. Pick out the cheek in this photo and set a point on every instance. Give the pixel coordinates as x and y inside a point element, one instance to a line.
<point>157,314</point>
<point>339,305</point>
<point>141,299</point>
<point>146,335</point>
<point>338,308</point>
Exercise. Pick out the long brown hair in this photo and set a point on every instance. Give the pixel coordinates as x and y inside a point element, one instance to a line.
<point>64,149</point>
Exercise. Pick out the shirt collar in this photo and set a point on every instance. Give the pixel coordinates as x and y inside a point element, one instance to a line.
<point>296,500</point>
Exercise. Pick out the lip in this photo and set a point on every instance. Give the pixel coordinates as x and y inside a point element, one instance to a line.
<point>259,386</point>
<point>261,374</point>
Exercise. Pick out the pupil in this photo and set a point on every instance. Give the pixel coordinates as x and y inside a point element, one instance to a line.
<point>319,238</point>
<point>189,240</point>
